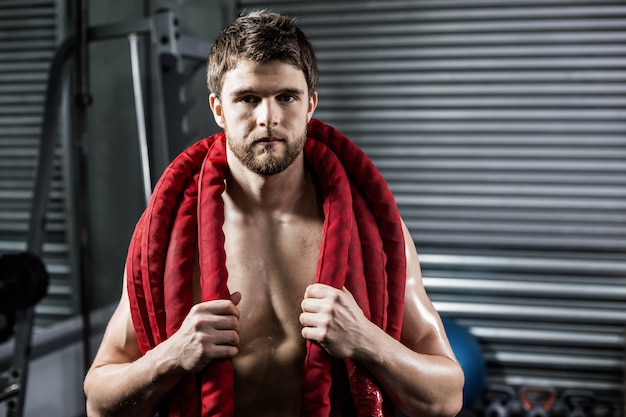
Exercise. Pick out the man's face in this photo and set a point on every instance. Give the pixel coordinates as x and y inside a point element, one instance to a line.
<point>264,110</point>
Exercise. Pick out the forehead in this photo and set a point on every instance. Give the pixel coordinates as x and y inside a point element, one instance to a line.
<point>267,76</point>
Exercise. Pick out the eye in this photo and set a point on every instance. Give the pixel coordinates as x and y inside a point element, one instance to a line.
<point>286,98</point>
<point>248,99</point>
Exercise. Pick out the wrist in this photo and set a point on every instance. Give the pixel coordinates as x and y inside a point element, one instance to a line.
<point>163,364</point>
<point>371,344</point>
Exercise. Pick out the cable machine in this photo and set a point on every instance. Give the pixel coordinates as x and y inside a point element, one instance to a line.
<point>177,57</point>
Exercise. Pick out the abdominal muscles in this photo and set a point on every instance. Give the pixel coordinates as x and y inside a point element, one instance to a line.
<point>268,377</point>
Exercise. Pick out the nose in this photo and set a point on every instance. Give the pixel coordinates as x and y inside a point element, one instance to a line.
<point>267,113</point>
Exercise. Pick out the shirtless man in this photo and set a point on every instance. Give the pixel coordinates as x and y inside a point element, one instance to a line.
<point>273,228</point>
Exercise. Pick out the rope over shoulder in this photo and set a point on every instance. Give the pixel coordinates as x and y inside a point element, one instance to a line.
<point>362,248</point>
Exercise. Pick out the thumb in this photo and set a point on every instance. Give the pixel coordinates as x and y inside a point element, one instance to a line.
<point>235,297</point>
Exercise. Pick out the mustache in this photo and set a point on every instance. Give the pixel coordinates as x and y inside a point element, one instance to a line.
<point>268,134</point>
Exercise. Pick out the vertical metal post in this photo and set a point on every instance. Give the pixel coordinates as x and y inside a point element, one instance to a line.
<point>140,114</point>
<point>19,372</point>
<point>83,100</point>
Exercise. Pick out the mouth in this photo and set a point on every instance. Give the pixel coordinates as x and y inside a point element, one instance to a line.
<point>267,141</point>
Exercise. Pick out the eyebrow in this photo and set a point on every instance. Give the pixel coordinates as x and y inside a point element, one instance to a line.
<point>246,91</point>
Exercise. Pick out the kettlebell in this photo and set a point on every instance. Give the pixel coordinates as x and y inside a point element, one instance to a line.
<point>537,401</point>
<point>579,403</point>
<point>497,399</point>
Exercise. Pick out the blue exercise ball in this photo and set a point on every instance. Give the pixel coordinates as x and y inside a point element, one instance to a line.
<point>470,356</point>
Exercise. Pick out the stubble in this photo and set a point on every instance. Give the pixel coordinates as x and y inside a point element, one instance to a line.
<point>266,160</point>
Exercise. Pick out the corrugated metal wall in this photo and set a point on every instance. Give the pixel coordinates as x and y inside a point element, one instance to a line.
<point>501,127</point>
<point>29,34</point>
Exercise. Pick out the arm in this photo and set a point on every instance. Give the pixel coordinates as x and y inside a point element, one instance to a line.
<point>122,382</point>
<point>420,372</point>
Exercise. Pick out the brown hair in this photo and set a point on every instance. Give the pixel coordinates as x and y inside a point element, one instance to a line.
<point>261,36</point>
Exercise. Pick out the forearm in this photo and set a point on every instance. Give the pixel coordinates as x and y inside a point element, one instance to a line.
<point>129,389</point>
<point>420,373</point>
<point>418,384</point>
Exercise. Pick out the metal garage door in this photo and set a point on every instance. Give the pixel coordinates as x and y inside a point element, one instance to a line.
<point>501,128</point>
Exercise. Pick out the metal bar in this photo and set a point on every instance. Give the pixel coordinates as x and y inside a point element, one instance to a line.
<point>120,30</point>
<point>569,314</point>
<point>18,374</point>
<point>83,101</point>
<point>58,336</point>
<point>511,287</point>
<point>139,112</point>
<point>46,147</point>
<point>523,263</point>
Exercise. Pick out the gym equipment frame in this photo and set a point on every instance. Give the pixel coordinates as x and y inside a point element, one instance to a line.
<point>170,50</point>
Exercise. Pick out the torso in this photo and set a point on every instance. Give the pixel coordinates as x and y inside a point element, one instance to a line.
<point>271,265</point>
<point>271,262</point>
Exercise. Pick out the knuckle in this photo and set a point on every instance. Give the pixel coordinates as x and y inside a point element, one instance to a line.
<point>232,337</point>
<point>233,322</point>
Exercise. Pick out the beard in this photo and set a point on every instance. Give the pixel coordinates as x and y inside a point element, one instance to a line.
<point>268,160</point>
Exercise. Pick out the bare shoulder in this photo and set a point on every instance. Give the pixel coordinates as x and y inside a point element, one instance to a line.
<point>422,329</point>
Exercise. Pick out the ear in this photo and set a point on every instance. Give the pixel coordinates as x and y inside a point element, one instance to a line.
<point>216,108</point>
<point>312,106</point>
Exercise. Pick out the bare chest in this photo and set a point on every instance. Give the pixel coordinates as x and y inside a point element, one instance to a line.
<point>271,267</point>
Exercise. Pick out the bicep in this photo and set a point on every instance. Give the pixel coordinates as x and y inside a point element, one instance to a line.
<point>422,329</point>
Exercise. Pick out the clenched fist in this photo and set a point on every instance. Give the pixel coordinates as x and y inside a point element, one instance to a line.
<point>333,318</point>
